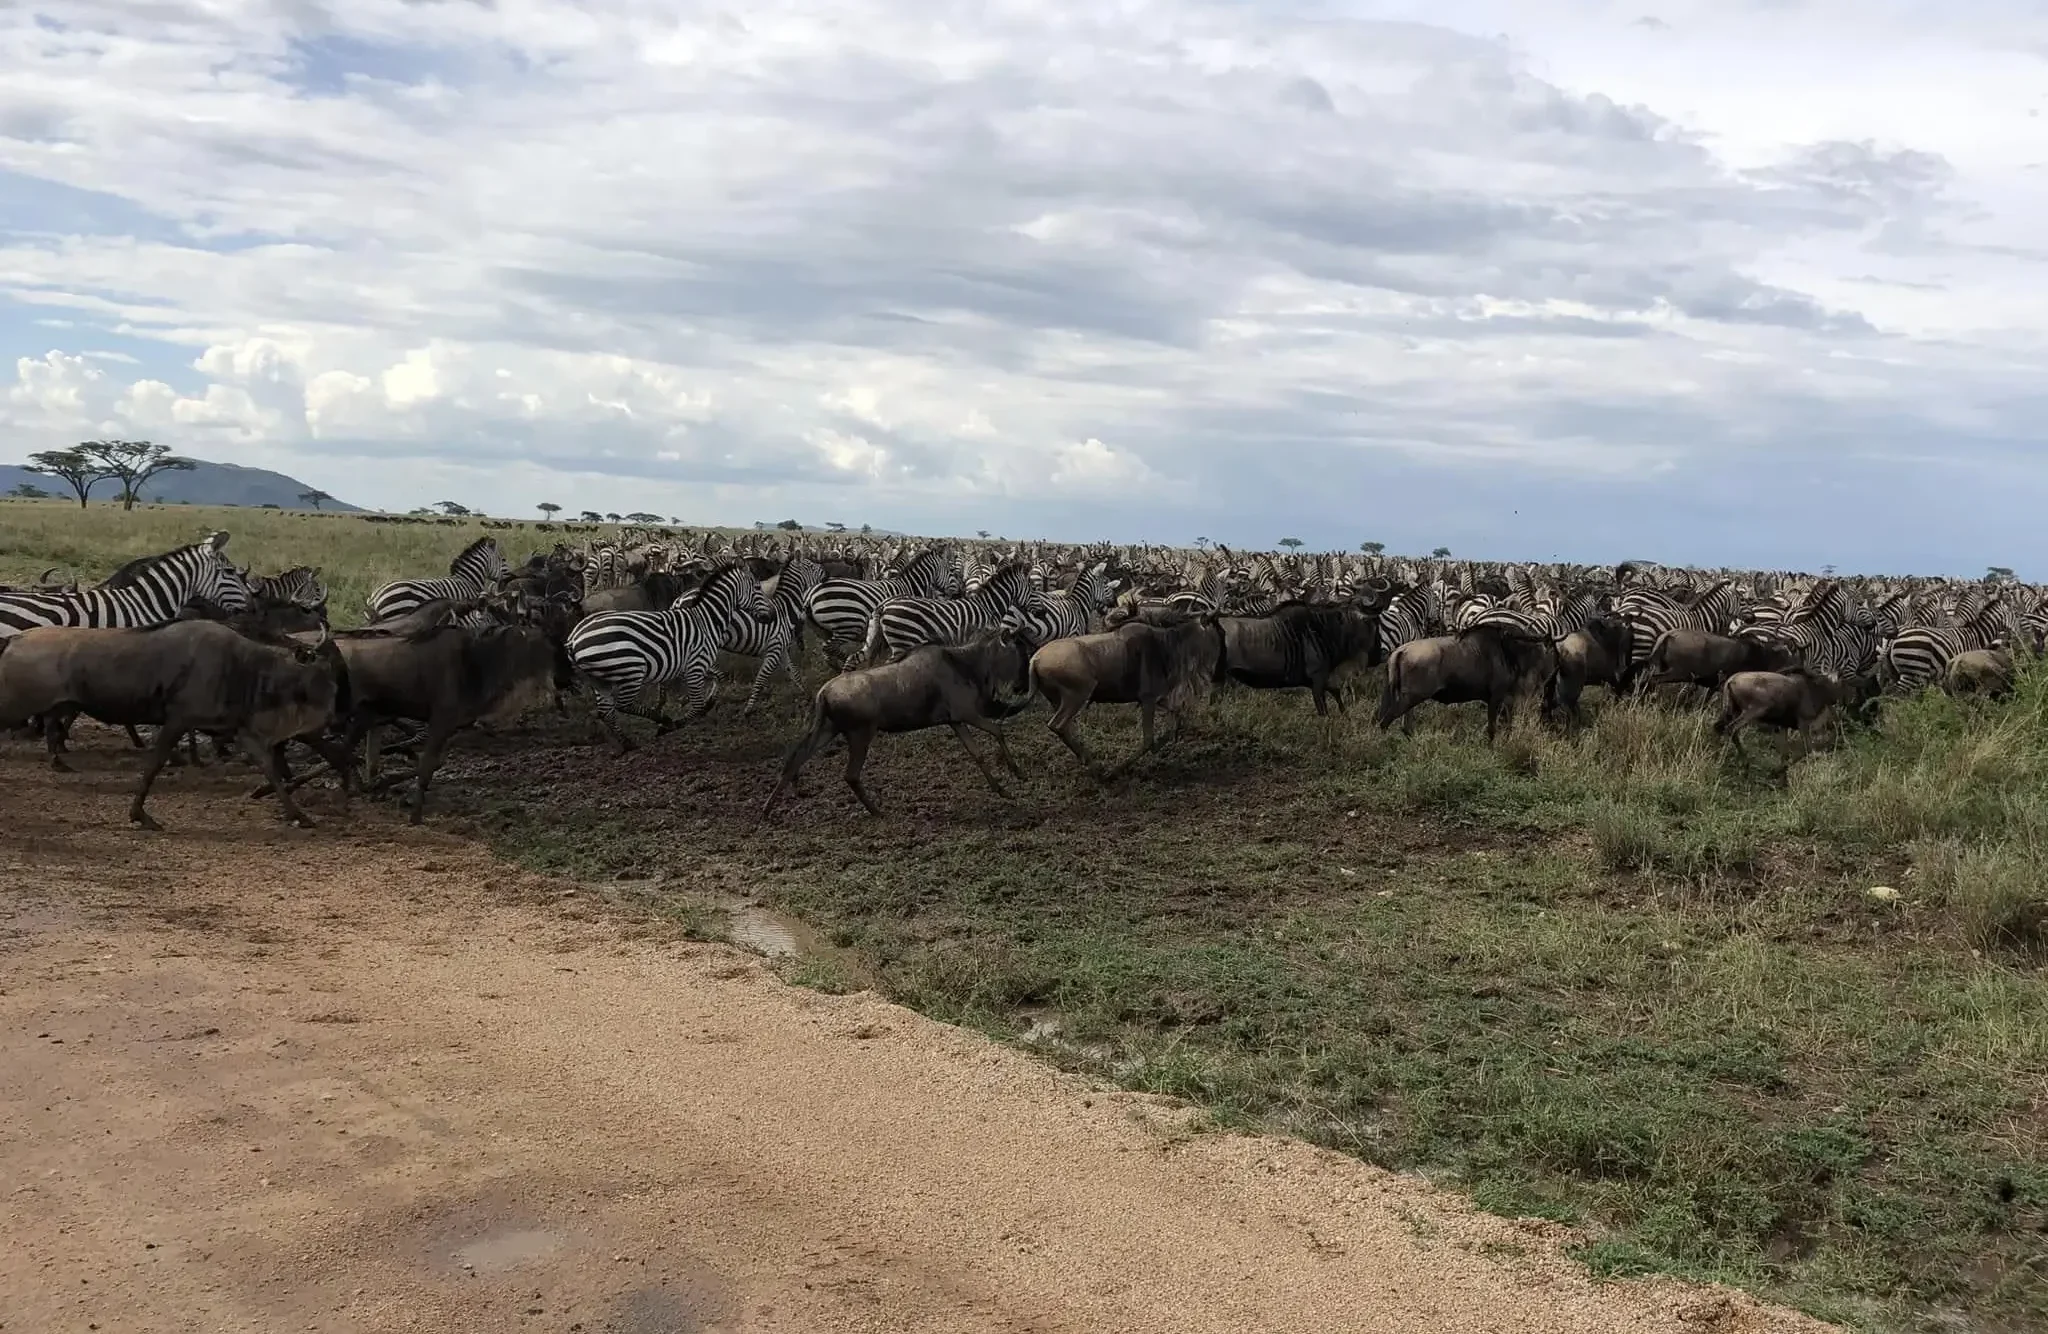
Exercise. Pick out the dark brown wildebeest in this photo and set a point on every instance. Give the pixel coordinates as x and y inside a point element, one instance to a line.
<point>449,678</point>
<point>1596,655</point>
<point>1703,658</point>
<point>1303,644</point>
<point>1490,663</point>
<point>934,686</point>
<point>1151,665</point>
<point>1982,671</point>
<point>654,591</point>
<point>184,676</point>
<point>1796,700</point>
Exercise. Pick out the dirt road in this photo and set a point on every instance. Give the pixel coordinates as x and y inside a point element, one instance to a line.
<point>365,1078</point>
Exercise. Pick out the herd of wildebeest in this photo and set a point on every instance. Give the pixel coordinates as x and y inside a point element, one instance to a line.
<point>944,634</point>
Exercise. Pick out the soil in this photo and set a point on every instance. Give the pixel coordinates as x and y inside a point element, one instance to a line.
<point>366,1077</point>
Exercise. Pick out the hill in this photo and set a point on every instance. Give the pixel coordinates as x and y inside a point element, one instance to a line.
<point>207,484</point>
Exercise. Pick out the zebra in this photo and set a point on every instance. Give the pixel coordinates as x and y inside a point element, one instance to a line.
<point>146,592</point>
<point>1918,656</point>
<point>1551,619</point>
<point>1044,619</point>
<point>624,653</point>
<point>842,608</point>
<point>1648,614</point>
<point>1828,634</point>
<point>903,624</point>
<point>298,587</point>
<point>778,640</point>
<point>477,569</point>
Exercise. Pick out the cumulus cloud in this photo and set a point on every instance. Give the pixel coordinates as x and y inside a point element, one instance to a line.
<point>1140,270</point>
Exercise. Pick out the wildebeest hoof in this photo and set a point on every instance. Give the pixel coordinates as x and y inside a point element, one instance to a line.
<point>147,821</point>
<point>59,765</point>
<point>306,822</point>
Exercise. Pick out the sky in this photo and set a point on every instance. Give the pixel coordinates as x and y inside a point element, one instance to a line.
<point>1758,282</point>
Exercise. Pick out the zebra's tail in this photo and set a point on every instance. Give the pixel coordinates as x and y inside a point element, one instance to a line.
<point>875,644</point>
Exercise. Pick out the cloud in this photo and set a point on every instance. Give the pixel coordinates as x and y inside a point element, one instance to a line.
<point>961,266</point>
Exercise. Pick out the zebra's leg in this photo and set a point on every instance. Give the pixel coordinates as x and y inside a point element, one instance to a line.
<point>857,743</point>
<point>773,658</point>
<point>960,735</point>
<point>167,739</point>
<point>606,713</point>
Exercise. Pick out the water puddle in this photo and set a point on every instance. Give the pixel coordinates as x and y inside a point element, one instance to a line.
<point>500,1251</point>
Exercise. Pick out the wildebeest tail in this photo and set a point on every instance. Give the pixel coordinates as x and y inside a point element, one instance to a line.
<point>1390,694</point>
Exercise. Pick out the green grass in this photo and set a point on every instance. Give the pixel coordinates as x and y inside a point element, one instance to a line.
<point>1621,978</point>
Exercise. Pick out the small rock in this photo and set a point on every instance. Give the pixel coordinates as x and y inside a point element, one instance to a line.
<point>1883,893</point>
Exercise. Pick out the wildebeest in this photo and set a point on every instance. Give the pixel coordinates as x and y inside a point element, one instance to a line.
<point>185,676</point>
<point>1152,666</point>
<point>1701,657</point>
<point>1596,655</point>
<point>1984,671</point>
<point>1795,699</point>
<point>1492,664</point>
<point>448,677</point>
<point>1301,644</point>
<point>934,686</point>
<point>654,591</point>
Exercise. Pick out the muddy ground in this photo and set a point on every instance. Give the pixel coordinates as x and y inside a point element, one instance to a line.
<point>370,1078</point>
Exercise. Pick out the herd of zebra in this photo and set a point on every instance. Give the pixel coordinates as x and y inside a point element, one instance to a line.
<point>654,612</point>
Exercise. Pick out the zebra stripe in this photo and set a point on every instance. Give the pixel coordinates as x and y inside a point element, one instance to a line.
<point>909,623</point>
<point>477,569</point>
<point>623,653</point>
<point>778,641</point>
<point>1064,615</point>
<point>150,591</point>
<point>842,608</point>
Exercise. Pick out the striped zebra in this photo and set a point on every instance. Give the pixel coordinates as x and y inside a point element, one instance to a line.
<point>1064,615</point>
<point>1649,613</point>
<point>842,608</point>
<point>778,640</point>
<point>1919,655</point>
<point>1406,619</point>
<point>477,569</point>
<point>903,624</point>
<point>1827,632</point>
<point>151,591</point>
<point>625,654</point>
<point>299,587</point>
<point>1552,620</point>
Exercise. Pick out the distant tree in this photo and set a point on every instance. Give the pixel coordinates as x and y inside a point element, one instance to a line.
<point>74,467</point>
<point>612,517</point>
<point>1828,570</point>
<point>643,516</point>
<point>836,527</point>
<point>1291,543</point>
<point>981,533</point>
<point>1999,574</point>
<point>421,510</point>
<point>269,505</point>
<point>1373,548</point>
<point>549,508</point>
<point>315,498</point>
<point>132,463</point>
<point>592,516</point>
<point>1202,543</point>
<point>1442,553</point>
<point>29,491</point>
<point>867,528</point>
<point>793,525</point>
<point>451,509</point>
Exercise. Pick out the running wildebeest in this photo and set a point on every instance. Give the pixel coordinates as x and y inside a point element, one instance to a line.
<point>1795,700</point>
<point>449,678</point>
<point>1153,666</point>
<point>1703,658</point>
<point>184,676</point>
<point>1596,655</point>
<point>1490,663</point>
<point>1302,644</point>
<point>933,686</point>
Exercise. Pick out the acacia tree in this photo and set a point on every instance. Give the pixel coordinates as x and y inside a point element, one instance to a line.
<point>316,497</point>
<point>28,491</point>
<point>1373,548</point>
<point>74,467</point>
<point>1442,553</point>
<point>451,509</point>
<point>592,516</point>
<point>642,516</point>
<point>548,508</point>
<point>1291,543</point>
<point>132,463</point>
<point>613,518</point>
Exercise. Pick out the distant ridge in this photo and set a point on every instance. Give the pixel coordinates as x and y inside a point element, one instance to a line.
<point>207,484</point>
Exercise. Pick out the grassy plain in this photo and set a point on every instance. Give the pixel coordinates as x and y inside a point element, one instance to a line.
<point>1621,978</point>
